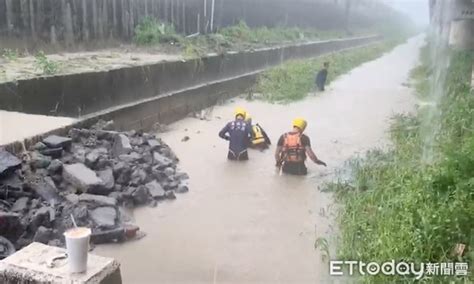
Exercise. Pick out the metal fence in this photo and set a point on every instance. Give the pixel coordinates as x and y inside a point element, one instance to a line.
<point>68,23</point>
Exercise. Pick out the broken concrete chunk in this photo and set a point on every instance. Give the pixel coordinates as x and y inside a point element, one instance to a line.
<point>181,176</point>
<point>39,146</point>
<point>154,144</point>
<point>182,188</point>
<point>79,154</point>
<point>97,199</point>
<point>80,213</point>
<point>73,198</point>
<point>161,161</point>
<point>39,161</point>
<point>6,248</point>
<point>137,141</point>
<point>170,195</point>
<point>55,167</point>
<point>104,217</point>
<point>121,145</point>
<point>169,171</point>
<point>12,182</point>
<point>138,177</point>
<point>108,236</point>
<point>167,152</point>
<point>102,124</point>
<point>10,225</point>
<point>46,189</point>
<point>140,195</point>
<point>54,153</point>
<point>20,205</point>
<point>155,190</point>
<point>92,158</point>
<point>8,163</point>
<point>43,235</point>
<point>42,217</point>
<point>81,177</point>
<point>54,141</point>
<point>131,158</point>
<point>107,177</point>
<point>55,243</point>
<point>118,168</point>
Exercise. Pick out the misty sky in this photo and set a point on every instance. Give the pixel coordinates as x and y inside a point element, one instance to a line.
<point>418,10</point>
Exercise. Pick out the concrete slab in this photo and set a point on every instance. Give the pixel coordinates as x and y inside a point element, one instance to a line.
<point>16,126</point>
<point>29,265</point>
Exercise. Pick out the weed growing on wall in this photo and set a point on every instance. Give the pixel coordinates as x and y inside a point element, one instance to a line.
<point>150,31</point>
<point>46,65</point>
<point>10,54</point>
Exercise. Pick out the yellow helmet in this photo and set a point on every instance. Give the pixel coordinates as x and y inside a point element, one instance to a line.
<point>248,117</point>
<point>300,123</point>
<point>239,111</point>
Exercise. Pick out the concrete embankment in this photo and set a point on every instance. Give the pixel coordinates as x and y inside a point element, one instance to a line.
<point>75,95</point>
<point>138,97</point>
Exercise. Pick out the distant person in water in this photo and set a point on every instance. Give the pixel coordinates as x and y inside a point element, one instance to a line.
<point>322,76</point>
<point>237,132</point>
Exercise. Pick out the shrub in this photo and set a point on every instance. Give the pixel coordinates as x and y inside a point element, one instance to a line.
<point>150,31</point>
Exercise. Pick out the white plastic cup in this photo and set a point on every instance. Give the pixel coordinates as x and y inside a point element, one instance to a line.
<point>77,247</point>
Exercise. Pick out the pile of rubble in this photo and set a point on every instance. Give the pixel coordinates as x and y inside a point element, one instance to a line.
<point>87,178</point>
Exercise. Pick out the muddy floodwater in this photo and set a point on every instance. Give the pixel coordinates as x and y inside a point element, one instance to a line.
<point>243,222</point>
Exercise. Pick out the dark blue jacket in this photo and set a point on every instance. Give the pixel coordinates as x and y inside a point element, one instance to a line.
<point>321,78</point>
<point>238,133</point>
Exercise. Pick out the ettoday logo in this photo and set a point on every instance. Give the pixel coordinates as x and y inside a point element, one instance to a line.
<point>351,267</point>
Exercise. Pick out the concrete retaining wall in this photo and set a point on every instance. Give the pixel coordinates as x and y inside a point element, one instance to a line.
<point>85,93</point>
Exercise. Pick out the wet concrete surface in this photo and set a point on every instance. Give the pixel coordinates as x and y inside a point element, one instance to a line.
<point>243,222</point>
<point>81,62</point>
<point>15,126</point>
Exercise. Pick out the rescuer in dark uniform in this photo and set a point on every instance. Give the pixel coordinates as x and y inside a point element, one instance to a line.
<point>237,132</point>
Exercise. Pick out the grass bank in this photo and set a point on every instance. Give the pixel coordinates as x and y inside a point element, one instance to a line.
<point>397,206</point>
<point>151,32</point>
<point>295,79</point>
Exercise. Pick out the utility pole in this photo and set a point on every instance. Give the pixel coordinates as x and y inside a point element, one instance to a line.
<point>212,15</point>
<point>347,15</point>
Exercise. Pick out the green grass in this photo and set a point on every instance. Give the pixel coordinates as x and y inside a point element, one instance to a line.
<point>420,75</point>
<point>10,54</point>
<point>396,206</point>
<point>241,37</point>
<point>46,65</point>
<point>295,79</point>
<point>150,32</point>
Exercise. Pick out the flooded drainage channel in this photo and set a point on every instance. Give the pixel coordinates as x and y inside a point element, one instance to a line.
<point>138,97</point>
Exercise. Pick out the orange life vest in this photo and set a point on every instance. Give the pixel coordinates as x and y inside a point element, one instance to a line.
<point>293,149</point>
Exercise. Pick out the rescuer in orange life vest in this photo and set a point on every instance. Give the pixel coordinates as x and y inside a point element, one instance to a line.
<point>259,139</point>
<point>292,149</point>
